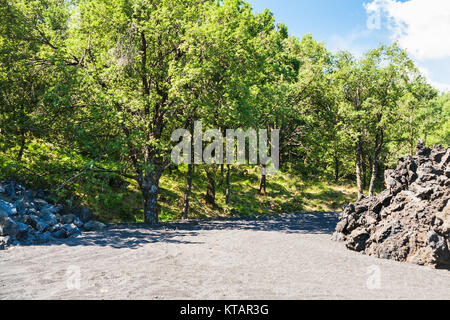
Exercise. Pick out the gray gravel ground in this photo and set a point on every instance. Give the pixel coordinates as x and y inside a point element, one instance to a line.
<point>273,257</point>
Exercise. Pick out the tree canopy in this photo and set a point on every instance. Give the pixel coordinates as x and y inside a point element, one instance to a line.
<point>93,89</point>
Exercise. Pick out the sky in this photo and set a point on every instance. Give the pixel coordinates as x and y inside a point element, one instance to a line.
<point>421,27</point>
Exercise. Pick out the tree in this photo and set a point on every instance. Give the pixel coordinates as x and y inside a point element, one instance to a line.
<point>391,69</point>
<point>35,76</point>
<point>225,67</point>
<point>126,73</point>
<point>372,91</point>
<point>94,88</point>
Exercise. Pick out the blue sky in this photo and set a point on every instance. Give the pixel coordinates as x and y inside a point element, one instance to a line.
<point>422,27</point>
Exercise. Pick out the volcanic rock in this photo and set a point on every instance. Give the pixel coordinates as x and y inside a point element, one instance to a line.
<point>410,220</point>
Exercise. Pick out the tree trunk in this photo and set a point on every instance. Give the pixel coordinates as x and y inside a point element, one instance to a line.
<point>376,156</point>
<point>210,187</point>
<point>188,191</point>
<point>190,173</point>
<point>151,204</point>
<point>263,182</point>
<point>358,169</point>
<point>228,190</point>
<point>411,137</point>
<point>336,163</point>
<point>149,185</point>
<point>336,169</point>
<point>22,147</point>
<point>374,176</point>
<point>358,150</point>
<point>151,208</point>
<point>364,170</point>
<point>222,169</point>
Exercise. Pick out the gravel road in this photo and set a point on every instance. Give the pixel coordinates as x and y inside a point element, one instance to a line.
<point>288,256</point>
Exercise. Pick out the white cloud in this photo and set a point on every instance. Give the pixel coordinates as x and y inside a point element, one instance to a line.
<point>349,42</point>
<point>443,87</point>
<point>422,27</point>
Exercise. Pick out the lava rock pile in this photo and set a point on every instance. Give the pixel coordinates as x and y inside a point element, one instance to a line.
<point>410,220</point>
<point>28,217</point>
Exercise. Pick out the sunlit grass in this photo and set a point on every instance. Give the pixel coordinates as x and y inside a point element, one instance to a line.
<point>286,192</point>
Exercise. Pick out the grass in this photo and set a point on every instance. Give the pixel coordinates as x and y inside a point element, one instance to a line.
<point>286,192</point>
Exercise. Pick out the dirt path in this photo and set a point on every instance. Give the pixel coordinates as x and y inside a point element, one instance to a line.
<point>274,257</point>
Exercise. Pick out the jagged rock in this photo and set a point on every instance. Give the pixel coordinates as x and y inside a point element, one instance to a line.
<point>42,226</point>
<point>21,207</point>
<point>84,214</point>
<point>44,237</point>
<point>59,217</point>
<point>5,241</point>
<point>337,236</point>
<point>71,230</point>
<point>48,218</point>
<point>7,209</point>
<point>23,232</point>
<point>31,217</point>
<point>71,218</point>
<point>10,189</point>
<point>8,227</point>
<point>94,226</point>
<point>50,209</point>
<point>55,228</point>
<point>78,222</point>
<point>68,218</point>
<point>358,240</point>
<point>32,220</point>
<point>60,234</point>
<point>410,220</point>
<point>41,203</point>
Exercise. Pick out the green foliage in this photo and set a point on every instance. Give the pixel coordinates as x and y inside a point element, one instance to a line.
<point>91,90</point>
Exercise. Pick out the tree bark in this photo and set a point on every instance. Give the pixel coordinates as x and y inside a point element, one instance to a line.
<point>151,211</point>
<point>411,138</point>
<point>221,174</point>
<point>336,169</point>
<point>364,169</point>
<point>150,194</point>
<point>149,186</point>
<point>190,173</point>
<point>22,147</point>
<point>373,177</point>
<point>228,189</point>
<point>358,149</point>
<point>188,191</point>
<point>375,164</point>
<point>358,169</point>
<point>336,163</point>
<point>263,182</point>
<point>210,187</point>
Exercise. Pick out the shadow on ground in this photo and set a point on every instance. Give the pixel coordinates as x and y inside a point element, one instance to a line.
<point>133,236</point>
<point>319,222</point>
